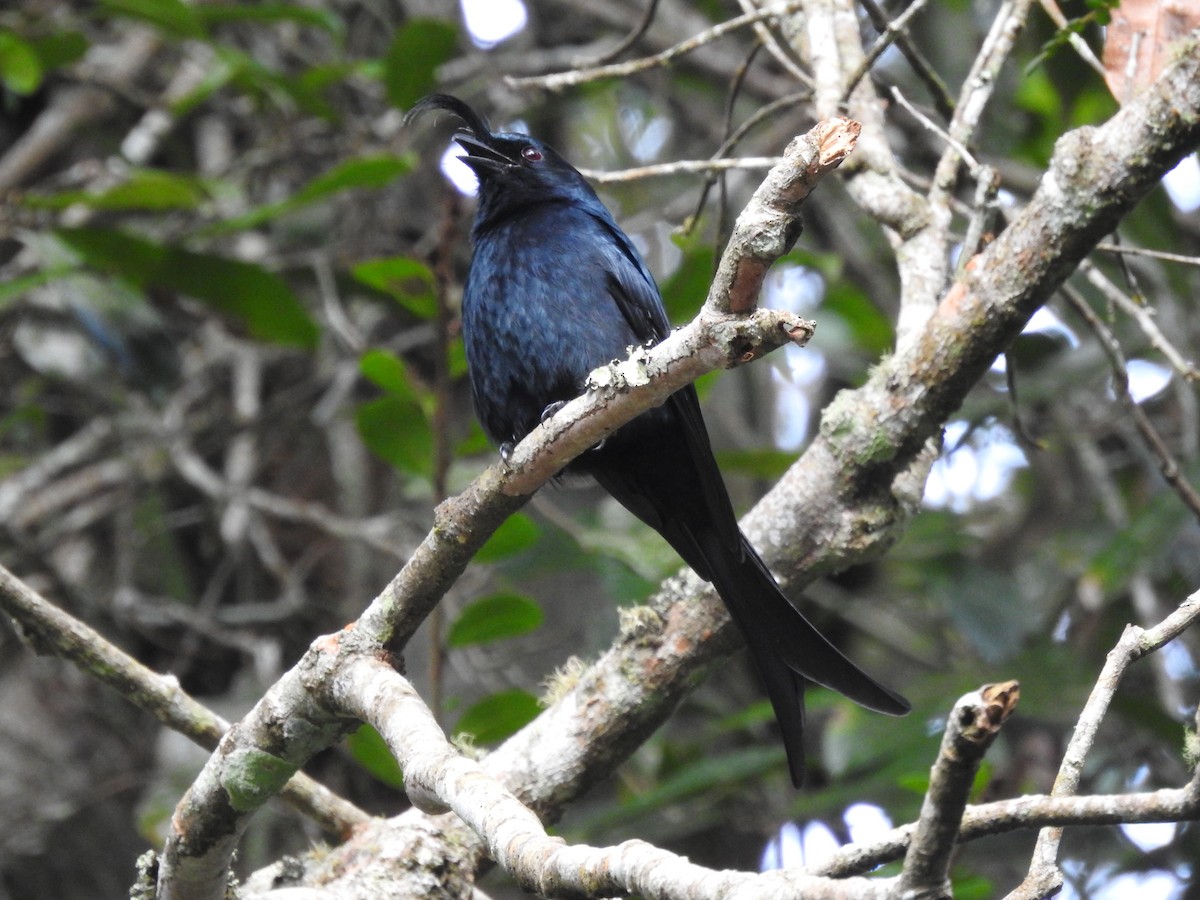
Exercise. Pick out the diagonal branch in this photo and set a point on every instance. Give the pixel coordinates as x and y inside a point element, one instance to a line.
<point>559,80</point>
<point>1172,471</point>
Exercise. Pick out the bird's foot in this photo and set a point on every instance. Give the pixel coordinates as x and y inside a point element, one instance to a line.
<point>506,451</point>
<point>552,409</point>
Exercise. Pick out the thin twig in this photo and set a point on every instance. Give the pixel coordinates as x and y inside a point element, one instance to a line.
<point>79,448</point>
<point>735,137</point>
<point>559,80</point>
<point>1144,317</point>
<point>981,223</point>
<point>1135,643</point>
<point>628,41</point>
<point>680,167</point>
<point>978,87</point>
<point>735,88</point>
<point>1166,460</point>
<point>1051,9</point>
<point>1152,254</point>
<point>1024,813</point>
<point>893,31</point>
<point>375,532</point>
<point>937,129</point>
<point>775,46</point>
<point>443,270</point>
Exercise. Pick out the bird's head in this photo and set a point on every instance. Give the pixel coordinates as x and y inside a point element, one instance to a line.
<point>514,170</point>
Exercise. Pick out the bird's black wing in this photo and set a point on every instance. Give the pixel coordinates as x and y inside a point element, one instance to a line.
<point>633,288</point>
<point>635,292</point>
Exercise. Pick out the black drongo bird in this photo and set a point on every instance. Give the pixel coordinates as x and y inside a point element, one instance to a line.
<point>555,290</point>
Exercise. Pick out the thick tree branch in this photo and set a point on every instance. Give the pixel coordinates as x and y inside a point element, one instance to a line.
<point>441,778</point>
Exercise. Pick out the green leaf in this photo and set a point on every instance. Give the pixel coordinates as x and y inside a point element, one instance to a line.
<point>317,78</point>
<point>457,359</point>
<point>388,371</point>
<point>259,299</point>
<point>172,16</point>
<point>153,189</point>
<point>685,291</point>
<point>60,48</point>
<point>711,773</point>
<point>20,67</point>
<point>150,189</point>
<point>494,718</point>
<point>475,442</point>
<point>371,752</point>
<point>969,886</point>
<point>870,328</point>
<point>417,50</point>
<point>281,88</point>
<point>516,534</point>
<point>639,548</point>
<point>495,618</point>
<point>15,287</point>
<point>218,74</point>
<point>368,172</point>
<point>1039,95</point>
<point>409,281</point>
<point>397,431</point>
<point>364,172</point>
<point>766,464</point>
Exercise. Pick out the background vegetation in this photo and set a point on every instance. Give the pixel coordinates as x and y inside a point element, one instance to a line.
<point>232,392</point>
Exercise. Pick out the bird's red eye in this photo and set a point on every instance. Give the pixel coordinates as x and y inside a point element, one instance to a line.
<point>531,154</point>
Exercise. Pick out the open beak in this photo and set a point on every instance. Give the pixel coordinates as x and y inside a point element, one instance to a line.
<point>482,158</point>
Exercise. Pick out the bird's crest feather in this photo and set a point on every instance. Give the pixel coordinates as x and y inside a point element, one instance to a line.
<point>475,122</point>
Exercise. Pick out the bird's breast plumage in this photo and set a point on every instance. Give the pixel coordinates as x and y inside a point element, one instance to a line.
<point>545,307</point>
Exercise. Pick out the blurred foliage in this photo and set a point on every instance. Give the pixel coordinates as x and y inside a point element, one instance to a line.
<point>224,382</point>
<point>370,751</point>
<point>497,716</point>
<point>494,618</point>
